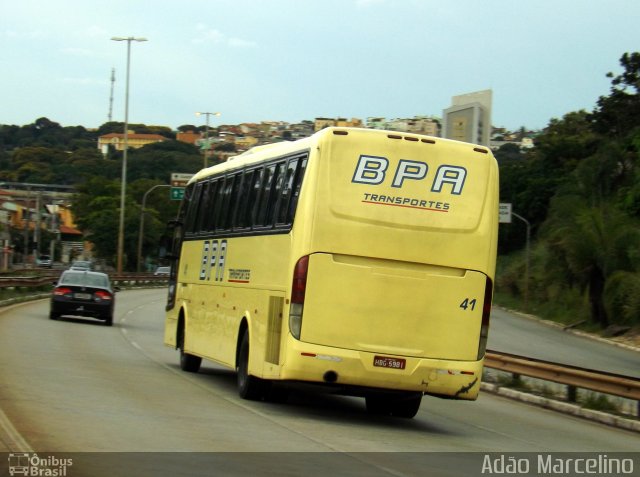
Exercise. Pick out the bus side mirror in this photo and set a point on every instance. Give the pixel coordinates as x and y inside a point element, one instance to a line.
<point>164,248</point>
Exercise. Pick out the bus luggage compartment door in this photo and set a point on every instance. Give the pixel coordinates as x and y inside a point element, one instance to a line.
<point>393,307</point>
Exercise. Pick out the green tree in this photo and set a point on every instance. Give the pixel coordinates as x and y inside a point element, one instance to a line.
<point>619,113</point>
<point>592,243</point>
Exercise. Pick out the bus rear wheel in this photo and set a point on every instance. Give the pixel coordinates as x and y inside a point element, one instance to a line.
<point>249,387</point>
<point>188,362</point>
<point>405,405</point>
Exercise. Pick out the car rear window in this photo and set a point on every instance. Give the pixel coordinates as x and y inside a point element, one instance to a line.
<point>86,279</point>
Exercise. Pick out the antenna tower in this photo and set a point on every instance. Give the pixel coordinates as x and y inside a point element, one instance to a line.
<point>113,80</point>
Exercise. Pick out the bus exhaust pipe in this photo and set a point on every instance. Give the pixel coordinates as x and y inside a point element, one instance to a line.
<point>330,377</point>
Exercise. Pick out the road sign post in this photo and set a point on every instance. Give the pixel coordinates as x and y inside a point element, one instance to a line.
<point>505,215</point>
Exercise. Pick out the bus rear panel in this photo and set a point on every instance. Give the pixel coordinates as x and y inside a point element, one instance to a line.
<point>400,265</point>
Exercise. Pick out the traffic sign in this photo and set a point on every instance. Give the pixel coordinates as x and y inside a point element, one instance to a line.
<point>177,193</point>
<point>505,213</point>
<point>178,183</point>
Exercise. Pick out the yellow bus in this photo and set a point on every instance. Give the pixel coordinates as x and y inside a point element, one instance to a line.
<point>359,260</point>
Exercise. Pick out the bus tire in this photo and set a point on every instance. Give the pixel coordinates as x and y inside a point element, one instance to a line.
<point>188,362</point>
<point>405,406</point>
<point>249,387</point>
<point>378,404</point>
<point>276,393</point>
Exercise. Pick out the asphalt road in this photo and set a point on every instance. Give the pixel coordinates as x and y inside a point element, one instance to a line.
<point>514,334</point>
<point>77,386</point>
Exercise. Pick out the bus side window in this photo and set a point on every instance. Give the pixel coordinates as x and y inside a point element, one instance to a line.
<point>192,211</point>
<point>200,225</point>
<point>216,210</point>
<point>254,195</point>
<point>265,193</point>
<point>242,201</point>
<point>229,194</point>
<point>274,194</point>
<point>297,185</point>
<point>209,220</point>
<point>285,197</point>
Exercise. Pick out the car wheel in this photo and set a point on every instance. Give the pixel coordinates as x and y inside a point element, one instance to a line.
<point>53,316</point>
<point>109,320</point>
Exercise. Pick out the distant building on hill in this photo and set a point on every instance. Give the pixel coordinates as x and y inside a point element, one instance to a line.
<point>116,140</point>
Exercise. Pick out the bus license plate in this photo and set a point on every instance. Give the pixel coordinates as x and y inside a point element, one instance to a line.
<point>388,362</point>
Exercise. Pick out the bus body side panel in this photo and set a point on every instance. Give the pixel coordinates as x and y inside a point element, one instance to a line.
<point>216,295</point>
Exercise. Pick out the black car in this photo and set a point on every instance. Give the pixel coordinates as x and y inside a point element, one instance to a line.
<point>83,293</point>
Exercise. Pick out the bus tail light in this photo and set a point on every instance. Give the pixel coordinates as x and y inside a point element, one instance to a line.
<point>486,314</point>
<point>298,289</point>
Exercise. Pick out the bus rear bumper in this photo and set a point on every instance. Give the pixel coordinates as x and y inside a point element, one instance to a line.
<point>340,367</point>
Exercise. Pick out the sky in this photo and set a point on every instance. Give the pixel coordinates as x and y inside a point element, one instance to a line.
<point>294,60</point>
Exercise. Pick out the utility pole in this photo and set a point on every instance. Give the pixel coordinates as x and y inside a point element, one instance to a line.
<point>113,80</point>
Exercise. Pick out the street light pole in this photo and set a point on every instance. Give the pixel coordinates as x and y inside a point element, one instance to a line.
<point>206,135</point>
<point>125,147</point>
<point>527,260</point>
<point>141,231</point>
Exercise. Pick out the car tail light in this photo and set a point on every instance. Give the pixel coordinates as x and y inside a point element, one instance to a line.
<point>486,314</point>
<point>103,295</point>
<point>298,289</point>
<point>62,291</point>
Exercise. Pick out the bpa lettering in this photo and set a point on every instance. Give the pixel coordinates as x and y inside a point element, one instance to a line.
<point>372,170</point>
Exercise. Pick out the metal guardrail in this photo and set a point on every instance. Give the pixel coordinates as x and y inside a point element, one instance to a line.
<point>49,277</point>
<point>572,376</point>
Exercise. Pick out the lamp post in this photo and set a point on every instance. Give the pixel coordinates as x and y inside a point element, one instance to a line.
<point>206,134</point>
<point>527,260</point>
<point>125,147</point>
<point>141,231</point>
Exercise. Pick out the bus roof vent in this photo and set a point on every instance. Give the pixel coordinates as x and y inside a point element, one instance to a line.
<point>479,149</point>
<point>340,132</point>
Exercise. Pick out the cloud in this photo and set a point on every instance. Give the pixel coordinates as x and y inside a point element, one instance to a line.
<point>77,52</point>
<point>211,35</point>
<point>239,43</point>
<point>21,35</point>
<point>366,3</point>
<point>83,81</point>
<point>97,32</point>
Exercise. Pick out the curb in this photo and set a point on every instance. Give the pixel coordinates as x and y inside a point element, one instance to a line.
<point>563,407</point>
